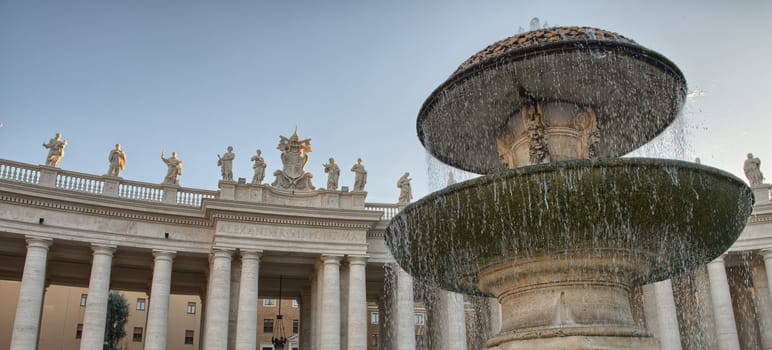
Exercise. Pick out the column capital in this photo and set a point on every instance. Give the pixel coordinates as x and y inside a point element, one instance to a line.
<point>718,260</point>
<point>251,254</point>
<point>766,253</point>
<point>164,254</point>
<point>357,259</point>
<point>103,249</point>
<point>221,253</point>
<point>331,259</point>
<point>39,242</point>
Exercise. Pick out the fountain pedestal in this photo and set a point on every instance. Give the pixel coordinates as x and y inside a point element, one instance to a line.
<point>574,300</point>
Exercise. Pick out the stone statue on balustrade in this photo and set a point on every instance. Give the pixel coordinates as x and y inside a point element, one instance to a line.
<point>226,164</point>
<point>451,179</point>
<point>405,190</point>
<point>55,148</point>
<point>294,157</point>
<point>174,169</point>
<point>360,176</point>
<point>752,168</point>
<point>117,159</point>
<point>258,164</point>
<point>333,174</point>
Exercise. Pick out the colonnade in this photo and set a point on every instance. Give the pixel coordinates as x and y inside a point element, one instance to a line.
<point>333,311</point>
<point>718,305</point>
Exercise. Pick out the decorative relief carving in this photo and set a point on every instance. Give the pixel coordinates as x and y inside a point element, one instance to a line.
<point>294,157</point>
<point>586,122</point>
<point>533,120</point>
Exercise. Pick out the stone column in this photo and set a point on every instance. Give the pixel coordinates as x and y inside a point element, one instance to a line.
<point>218,301</point>
<point>158,311</point>
<point>669,335</point>
<point>447,325</point>
<point>305,319</point>
<point>495,316</point>
<point>453,323</point>
<point>26,325</point>
<point>405,311</point>
<point>246,326</point>
<point>316,293</point>
<point>96,305</point>
<point>767,255</point>
<point>357,303</point>
<point>233,313</point>
<point>330,306</point>
<point>722,306</point>
<point>763,304</point>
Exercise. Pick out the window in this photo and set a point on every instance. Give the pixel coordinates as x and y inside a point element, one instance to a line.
<point>191,307</point>
<point>419,319</point>
<point>137,337</point>
<point>268,325</point>
<point>267,348</point>
<point>141,304</point>
<point>79,331</point>
<point>374,340</point>
<point>83,298</point>
<point>294,303</point>
<point>419,340</point>
<point>189,336</point>
<point>373,318</point>
<point>295,326</point>
<point>269,302</point>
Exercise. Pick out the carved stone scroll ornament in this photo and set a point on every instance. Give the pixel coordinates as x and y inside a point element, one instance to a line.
<point>586,123</point>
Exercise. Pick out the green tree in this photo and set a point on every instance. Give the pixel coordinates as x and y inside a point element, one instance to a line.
<point>117,316</point>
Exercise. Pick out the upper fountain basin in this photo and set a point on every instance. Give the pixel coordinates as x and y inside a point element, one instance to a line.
<point>676,215</point>
<point>634,93</point>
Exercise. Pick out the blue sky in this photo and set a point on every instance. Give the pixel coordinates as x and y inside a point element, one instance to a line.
<point>197,76</point>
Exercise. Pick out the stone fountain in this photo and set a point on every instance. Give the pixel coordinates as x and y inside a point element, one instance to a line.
<point>559,228</point>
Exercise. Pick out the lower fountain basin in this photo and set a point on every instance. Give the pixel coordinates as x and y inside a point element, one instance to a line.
<point>671,215</point>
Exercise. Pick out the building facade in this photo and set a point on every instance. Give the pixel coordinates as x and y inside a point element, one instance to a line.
<point>202,269</point>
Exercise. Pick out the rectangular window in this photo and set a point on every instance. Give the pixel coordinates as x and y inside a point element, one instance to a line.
<point>419,319</point>
<point>189,336</point>
<point>374,340</point>
<point>373,318</point>
<point>191,307</point>
<point>79,331</point>
<point>83,299</point>
<point>268,325</point>
<point>269,302</point>
<point>295,303</point>
<point>295,326</point>
<point>141,304</point>
<point>137,337</point>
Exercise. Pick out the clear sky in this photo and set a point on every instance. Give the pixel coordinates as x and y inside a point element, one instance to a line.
<point>197,76</point>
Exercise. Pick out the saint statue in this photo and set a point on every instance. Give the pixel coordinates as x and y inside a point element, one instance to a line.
<point>117,158</point>
<point>294,157</point>
<point>333,173</point>
<point>360,176</point>
<point>258,163</point>
<point>174,169</point>
<point>405,191</point>
<point>752,167</point>
<point>226,164</point>
<point>55,148</point>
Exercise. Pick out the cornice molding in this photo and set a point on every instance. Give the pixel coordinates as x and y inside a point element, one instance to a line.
<point>58,204</point>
